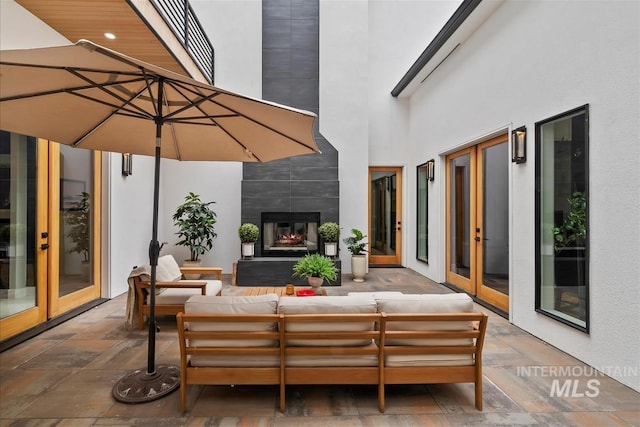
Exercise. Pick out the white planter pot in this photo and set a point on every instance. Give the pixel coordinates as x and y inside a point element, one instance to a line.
<point>248,250</point>
<point>188,263</point>
<point>358,267</point>
<point>331,249</point>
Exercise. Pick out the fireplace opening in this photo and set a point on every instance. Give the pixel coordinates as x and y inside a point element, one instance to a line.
<point>290,233</point>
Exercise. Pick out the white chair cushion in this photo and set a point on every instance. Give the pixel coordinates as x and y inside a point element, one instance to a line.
<point>168,269</point>
<point>181,295</point>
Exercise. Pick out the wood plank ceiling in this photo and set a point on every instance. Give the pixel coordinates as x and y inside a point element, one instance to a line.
<point>90,19</point>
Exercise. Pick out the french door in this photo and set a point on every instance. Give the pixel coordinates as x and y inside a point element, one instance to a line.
<point>385,216</point>
<point>49,231</point>
<point>477,221</point>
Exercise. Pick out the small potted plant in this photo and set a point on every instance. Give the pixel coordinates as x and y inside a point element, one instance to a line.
<point>248,234</point>
<point>356,246</point>
<point>195,221</point>
<point>330,234</point>
<point>316,268</point>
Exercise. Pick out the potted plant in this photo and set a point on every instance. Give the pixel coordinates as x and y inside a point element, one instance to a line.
<point>195,221</point>
<point>573,230</point>
<point>356,246</point>
<point>330,234</point>
<point>569,245</point>
<point>316,268</point>
<point>78,218</point>
<point>248,234</point>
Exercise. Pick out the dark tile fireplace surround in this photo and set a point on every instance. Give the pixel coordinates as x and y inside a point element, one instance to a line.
<point>295,195</point>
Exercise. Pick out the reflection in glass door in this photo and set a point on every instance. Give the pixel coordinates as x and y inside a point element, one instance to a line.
<point>385,216</point>
<point>49,231</point>
<point>477,221</point>
<point>75,223</point>
<point>460,218</point>
<point>492,216</point>
<point>22,261</point>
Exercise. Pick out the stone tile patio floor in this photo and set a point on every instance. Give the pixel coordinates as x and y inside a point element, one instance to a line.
<point>63,377</point>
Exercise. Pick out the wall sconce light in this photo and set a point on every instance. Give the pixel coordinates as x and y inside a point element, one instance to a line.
<point>431,170</point>
<point>519,145</point>
<point>127,164</point>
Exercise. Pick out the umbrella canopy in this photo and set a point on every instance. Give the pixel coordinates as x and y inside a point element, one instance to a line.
<point>88,96</point>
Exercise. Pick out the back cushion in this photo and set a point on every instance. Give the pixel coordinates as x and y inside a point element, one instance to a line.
<point>328,305</point>
<point>423,304</point>
<point>260,304</point>
<point>168,269</point>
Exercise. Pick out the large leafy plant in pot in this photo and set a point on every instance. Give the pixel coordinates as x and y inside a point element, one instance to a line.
<point>569,244</point>
<point>196,225</point>
<point>356,245</point>
<point>316,268</point>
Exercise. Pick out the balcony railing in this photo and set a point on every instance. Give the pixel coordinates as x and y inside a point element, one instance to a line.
<point>185,25</point>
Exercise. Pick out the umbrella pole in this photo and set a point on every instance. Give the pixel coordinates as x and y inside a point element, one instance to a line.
<point>158,381</point>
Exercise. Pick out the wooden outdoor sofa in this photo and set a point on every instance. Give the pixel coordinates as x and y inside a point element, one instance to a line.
<point>330,340</point>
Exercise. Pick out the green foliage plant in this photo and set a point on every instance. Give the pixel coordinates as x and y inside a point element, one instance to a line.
<point>573,229</point>
<point>355,242</point>
<point>195,221</point>
<point>329,231</point>
<point>315,265</point>
<point>78,218</point>
<point>248,233</point>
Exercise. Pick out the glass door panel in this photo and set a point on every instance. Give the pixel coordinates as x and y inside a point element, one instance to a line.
<point>22,261</point>
<point>460,215</point>
<point>385,216</point>
<point>493,211</point>
<point>75,226</point>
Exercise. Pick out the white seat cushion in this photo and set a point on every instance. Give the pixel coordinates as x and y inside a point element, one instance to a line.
<point>181,295</point>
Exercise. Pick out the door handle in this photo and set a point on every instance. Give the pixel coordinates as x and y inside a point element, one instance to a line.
<point>44,246</point>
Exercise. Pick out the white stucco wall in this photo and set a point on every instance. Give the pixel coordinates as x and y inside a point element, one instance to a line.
<point>526,63</point>
<point>235,30</point>
<point>343,107</point>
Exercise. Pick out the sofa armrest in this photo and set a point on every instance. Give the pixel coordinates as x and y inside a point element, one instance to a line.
<point>213,271</point>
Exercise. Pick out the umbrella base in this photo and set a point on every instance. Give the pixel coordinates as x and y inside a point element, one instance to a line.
<point>140,386</point>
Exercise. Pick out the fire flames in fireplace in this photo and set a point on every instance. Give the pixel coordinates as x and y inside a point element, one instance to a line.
<point>289,233</point>
<point>291,240</point>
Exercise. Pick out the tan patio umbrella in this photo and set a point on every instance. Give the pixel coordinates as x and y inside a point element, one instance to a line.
<point>88,96</point>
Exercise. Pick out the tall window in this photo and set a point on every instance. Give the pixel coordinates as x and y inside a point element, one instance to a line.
<point>562,201</point>
<point>422,238</point>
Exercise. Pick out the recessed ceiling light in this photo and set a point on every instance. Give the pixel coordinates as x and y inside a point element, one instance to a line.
<point>110,36</point>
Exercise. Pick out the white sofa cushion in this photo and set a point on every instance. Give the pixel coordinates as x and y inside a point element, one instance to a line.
<point>328,305</point>
<point>376,294</point>
<point>181,295</point>
<point>427,303</point>
<point>259,304</point>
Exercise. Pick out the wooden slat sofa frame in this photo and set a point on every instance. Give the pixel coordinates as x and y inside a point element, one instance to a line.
<point>383,336</point>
